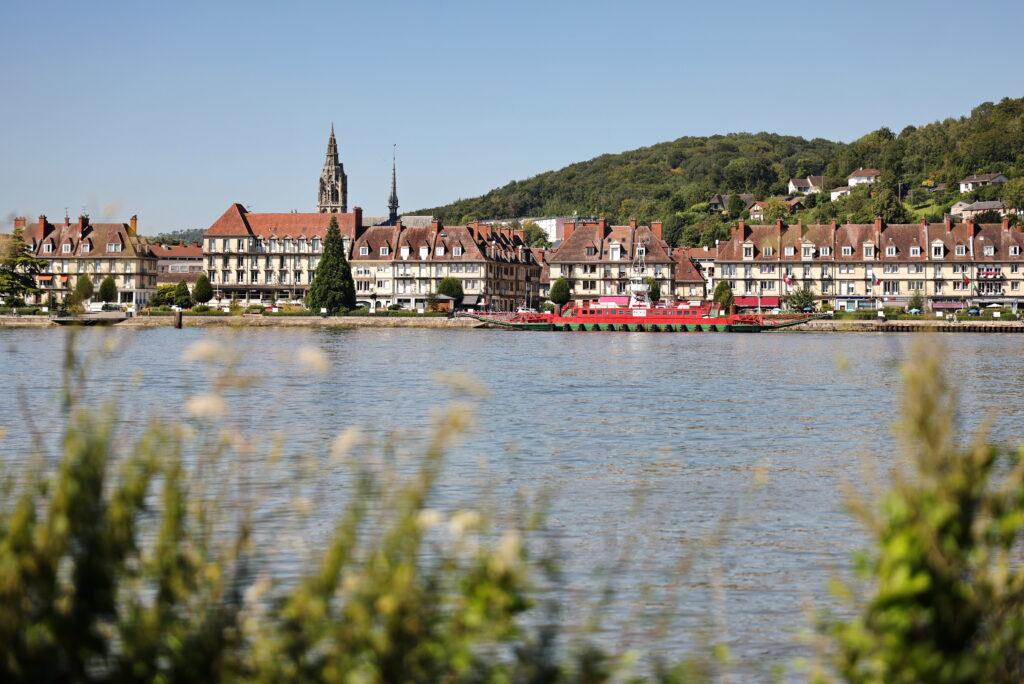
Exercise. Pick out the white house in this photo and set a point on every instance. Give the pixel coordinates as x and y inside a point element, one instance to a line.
<point>974,182</point>
<point>836,193</point>
<point>805,186</point>
<point>863,176</point>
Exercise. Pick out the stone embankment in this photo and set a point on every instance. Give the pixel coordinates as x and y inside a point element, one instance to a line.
<point>926,326</point>
<point>263,321</point>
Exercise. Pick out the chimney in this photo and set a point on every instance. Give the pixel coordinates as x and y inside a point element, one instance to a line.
<point>83,223</point>
<point>632,222</point>
<point>602,224</point>
<point>20,222</point>
<point>435,225</point>
<point>879,225</point>
<point>133,225</point>
<point>656,229</point>
<point>357,213</point>
<point>567,230</point>
<point>521,234</point>
<point>778,225</point>
<point>1006,223</point>
<point>42,225</point>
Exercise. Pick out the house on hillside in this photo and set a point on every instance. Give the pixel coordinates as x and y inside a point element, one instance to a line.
<point>757,210</point>
<point>971,211</point>
<point>863,176</point>
<point>836,193</point>
<point>805,186</point>
<point>721,202</point>
<point>980,180</point>
<point>958,208</point>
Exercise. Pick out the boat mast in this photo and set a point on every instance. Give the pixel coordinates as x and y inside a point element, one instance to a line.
<point>638,287</point>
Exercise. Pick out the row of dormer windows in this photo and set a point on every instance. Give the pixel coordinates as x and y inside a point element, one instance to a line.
<point>869,251</point>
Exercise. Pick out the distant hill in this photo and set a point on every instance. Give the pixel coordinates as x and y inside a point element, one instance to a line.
<point>189,235</point>
<point>671,180</point>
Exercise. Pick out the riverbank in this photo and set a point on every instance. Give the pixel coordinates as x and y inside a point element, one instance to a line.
<point>259,321</point>
<point>435,322</point>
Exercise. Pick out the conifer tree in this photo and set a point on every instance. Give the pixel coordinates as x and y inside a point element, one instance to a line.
<point>18,267</point>
<point>108,290</point>
<point>332,287</point>
<point>202,292</point>
<point>182,297</point>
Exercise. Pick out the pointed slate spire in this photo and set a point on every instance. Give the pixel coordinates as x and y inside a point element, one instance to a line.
<point>332,196</point>
<point>393,199</point>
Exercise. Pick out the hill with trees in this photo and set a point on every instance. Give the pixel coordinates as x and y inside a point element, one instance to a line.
<point>672,181</point>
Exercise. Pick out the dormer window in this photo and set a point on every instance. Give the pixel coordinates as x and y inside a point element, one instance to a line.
<point>424,252</point>
<point>915,251</point>
<point>591,251</point>
<point>86,248</point>
<point>936,251</point>
<point>114,247</point>
<point>988,250</point>
<point>439,250</point>
<point>808,251</point>
<point>847,250</point>
<point>826,251</point>
<point>890,250</point>
<point>1014,250</point>
<point>457,250</point>
<point>748,251</point>
<point>616,252</point>
<point>315,244</point>
<point>768,251</point>
<point>385,250</point>
<point>961,250</point>
<point>869,251</point>
<point>66,248</point>
<point>641,250</point>
<point>47,248</point>
<point>364,250</point>
<point>788,251</point>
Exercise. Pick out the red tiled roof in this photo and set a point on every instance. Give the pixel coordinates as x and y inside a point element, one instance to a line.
<point>685,270</point>
<point>237,222</point>
<point>865,173</point>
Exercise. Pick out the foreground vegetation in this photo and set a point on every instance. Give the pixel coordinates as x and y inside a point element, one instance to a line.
<point>124,563</point>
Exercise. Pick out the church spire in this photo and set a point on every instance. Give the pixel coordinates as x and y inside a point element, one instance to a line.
<point>393,199</point>
<point>333,194</point>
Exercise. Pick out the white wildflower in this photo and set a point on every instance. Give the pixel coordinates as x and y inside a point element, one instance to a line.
<point>508,553</point>
<point>205,406</point>
<point>429,518</point>
<point>314,360</point>
<point>203,350</point>
<point>464,521</point>
<point>344,443</point>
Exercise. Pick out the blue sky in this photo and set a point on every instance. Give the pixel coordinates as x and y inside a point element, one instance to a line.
<point>175,110</point>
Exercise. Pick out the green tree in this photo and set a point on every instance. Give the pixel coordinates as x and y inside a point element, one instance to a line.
<point>560,292</point>
<point>18,267</point>
<point>990,216</point>
<point>164,296</point>
<point>202,292</point>
<point>723,294</point>
<point>83,290</point>
<point>916,301</point>
<point>535,235</point>
<point>887,205</point>
<point>451,287</point>
<point>332,288</point>
<point>182,297</point>
<point>735,206</point>
<point>1013,194</point>
<point>798,300</point>
<point>108,290</point>
<point>654,290</point>
<point>775,209</point>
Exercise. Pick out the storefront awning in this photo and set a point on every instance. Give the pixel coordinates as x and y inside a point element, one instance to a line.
<point>769,302</point>
<point>470,300</point>
<point>948,305</point>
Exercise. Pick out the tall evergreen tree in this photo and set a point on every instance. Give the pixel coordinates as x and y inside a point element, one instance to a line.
<point>18,267</point>
<point>182,297</point>
<point>83,289</point>
<point>202,292</point>
<point>108,290</point>
<point>332,287</point>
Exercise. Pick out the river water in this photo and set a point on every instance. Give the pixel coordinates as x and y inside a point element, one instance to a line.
<point>650,444</point>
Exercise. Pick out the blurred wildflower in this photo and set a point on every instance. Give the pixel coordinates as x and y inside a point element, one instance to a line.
<point>203,350</point>
<point>314,360</point>
<point>206,406</point>
<point>344,443</point>
<point>464,521</point>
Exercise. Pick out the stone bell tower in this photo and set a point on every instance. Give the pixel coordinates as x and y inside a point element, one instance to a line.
<point>333,195</point>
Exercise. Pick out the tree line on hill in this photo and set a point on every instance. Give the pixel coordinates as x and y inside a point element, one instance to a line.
<point>673,181</point>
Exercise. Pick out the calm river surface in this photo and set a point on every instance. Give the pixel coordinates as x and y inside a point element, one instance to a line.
<point>692,421</point>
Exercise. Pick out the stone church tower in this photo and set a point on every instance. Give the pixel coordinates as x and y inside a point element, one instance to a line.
<point>333,196</point>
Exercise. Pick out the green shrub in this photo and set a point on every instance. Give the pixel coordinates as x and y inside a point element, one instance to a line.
<point>6,310</point>
<point>27,310</point>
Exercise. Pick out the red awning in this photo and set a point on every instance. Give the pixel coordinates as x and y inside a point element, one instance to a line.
<point>44,278</point>
<point>947,305</point>
<point>769,302</point>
